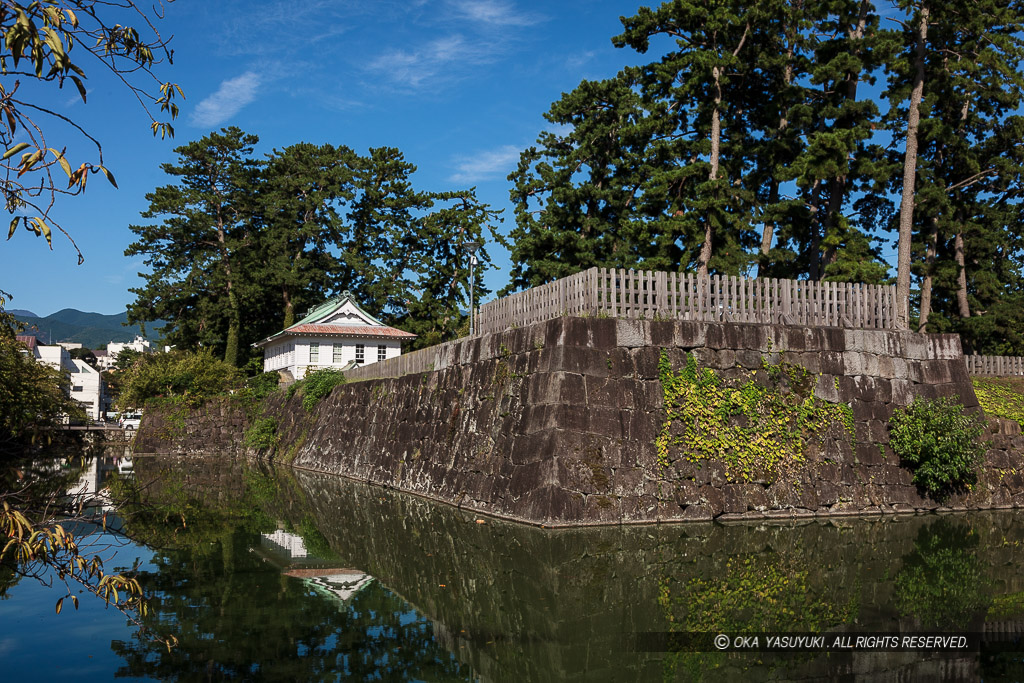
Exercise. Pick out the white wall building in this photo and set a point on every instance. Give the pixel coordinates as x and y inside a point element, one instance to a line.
<point>109,360</point>
<point>333,335</point>
<point>87,385</point>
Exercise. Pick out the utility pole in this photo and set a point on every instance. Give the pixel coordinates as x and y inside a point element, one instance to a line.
<point>471,248</point>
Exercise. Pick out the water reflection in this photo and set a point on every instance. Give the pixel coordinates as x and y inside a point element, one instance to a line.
<point>290,573</point>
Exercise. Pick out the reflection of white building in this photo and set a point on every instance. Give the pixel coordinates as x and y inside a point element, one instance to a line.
<point>87,385</point>
<point>342,584</point>
<point>291,545</point>
<point>91,486</point>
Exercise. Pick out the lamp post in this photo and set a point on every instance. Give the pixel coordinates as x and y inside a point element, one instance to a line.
<point>471,248</point>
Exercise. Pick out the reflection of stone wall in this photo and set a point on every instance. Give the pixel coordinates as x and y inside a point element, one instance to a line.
<point>520,603</point>
<point>556,424</point>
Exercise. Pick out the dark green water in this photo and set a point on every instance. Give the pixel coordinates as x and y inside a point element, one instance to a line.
<point>383,586</point>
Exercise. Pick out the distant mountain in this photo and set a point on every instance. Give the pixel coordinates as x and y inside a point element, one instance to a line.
<point>89,329</point>
<point>20,312</point>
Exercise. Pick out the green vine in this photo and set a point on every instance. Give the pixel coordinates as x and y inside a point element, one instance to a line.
<point>1001,397</point>
<point>755,430</point>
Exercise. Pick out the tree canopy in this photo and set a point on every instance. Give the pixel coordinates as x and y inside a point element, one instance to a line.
<point>754,141</point>
<point>241,246</point>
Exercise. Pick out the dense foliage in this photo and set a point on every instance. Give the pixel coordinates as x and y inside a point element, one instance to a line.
<point>188,377</point>
<point>940,442</point>
<point>240,246</point>
<point>752,142</point>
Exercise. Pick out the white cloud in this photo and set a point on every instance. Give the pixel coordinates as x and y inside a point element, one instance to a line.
<point>231,96</point>
<point>415,67</point>
<point>486,165</point>
<point>495,12</point>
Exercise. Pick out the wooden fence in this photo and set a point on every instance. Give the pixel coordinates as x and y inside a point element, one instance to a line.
<point>680,296</point>
<point>1003,366</point>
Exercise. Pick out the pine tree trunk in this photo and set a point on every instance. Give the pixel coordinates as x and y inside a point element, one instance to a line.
<point>768,233</point>
<point>289,309</point>
<point>909,176</point>
<point>926,281</point>
<point>961,278</point>
<point>716,141</point>
<point>814,248</point>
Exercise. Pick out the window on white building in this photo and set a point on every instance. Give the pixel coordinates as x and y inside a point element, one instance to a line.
<point>360,354</point>
<point>77,388</point>
<point>337,353</point>
<point>382,352</point>
<point>314,352</point>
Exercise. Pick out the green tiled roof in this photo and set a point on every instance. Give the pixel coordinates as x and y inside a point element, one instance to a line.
<point>314,314</point>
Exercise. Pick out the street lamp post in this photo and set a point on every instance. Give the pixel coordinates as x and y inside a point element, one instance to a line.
<point>471,248</point>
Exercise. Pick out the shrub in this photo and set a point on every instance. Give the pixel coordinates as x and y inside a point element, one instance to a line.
<point>258,388</point>
<point>317,385</point>
<point>940,443</point>
<point>192,376</point>
<point>262,434</point>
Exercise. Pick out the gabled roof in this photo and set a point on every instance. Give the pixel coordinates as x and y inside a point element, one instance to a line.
<point>326,320</point>
<point>31,341</point>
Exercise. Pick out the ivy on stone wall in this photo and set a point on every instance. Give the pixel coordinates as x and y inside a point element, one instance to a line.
<point>757,429</point>
<point>1001,397</point>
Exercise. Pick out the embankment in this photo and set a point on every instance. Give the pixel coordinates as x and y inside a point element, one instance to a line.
<point>578,421</point>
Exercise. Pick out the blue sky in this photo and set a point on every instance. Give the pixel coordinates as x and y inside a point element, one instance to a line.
<point>460,86</point>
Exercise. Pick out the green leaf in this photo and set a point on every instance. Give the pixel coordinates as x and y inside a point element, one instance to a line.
<point>110,176</point>
<point>14,150</point>
<point>14,226</point>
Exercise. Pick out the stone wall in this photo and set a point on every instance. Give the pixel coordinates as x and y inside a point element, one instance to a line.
<point>557,423</point>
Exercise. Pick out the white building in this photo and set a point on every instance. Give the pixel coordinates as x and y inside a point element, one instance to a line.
<point>109,360</point>
<point>87,385</point>
<point>333,335</point>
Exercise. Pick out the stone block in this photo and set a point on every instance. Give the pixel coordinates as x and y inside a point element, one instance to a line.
<point>716,336</point>
<point>831,363</point>
<point>662,333</point>
<point>685,492</point>
<point>645,361</point>
<point>726,359</point>
<point>689,334</point>
<point>935,372</point>
<point>734,499</point>
<point>868,454</point>
<point>826,389</point>
<point>713,500</point>
<point>902,392</point>
<point>828,492</point>
<point>782,494</point>
<point>751,360</point>
<point>607,392</point>
<point>701,512</point>
<point>632,333</point>
<point>608,421</point>
<point>944,346</point>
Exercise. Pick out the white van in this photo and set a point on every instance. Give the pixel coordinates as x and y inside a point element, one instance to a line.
<point>130,420</point>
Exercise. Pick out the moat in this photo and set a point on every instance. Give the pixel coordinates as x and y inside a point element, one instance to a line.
<point>286,574</point>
